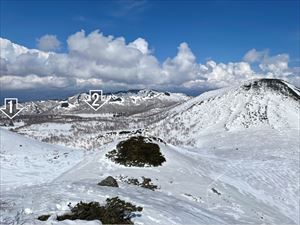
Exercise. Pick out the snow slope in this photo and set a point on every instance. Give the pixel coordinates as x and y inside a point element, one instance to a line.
<point>264,103</point>
<point>26,162</point>
<point>255,172</point>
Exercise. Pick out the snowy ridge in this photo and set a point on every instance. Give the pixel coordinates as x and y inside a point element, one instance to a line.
<point>258,103</point>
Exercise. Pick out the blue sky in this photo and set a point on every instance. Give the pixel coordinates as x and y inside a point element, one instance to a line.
<point>186,46</point>
<point>221,30</point>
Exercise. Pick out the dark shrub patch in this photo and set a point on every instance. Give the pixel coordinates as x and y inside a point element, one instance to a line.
<point>124,132</point>
<point>215,191</point>
<point>139,131</point>
<point>137,151</point>
<point>145,184</point>
<point>158,139</point>
<point>43,217</point>
<point>11,123</point>
<point>116,211</point>
<point>64,104</point>
<point>273,84</point>
<point>116,99</point>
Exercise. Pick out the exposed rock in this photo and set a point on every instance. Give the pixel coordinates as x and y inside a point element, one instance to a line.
<point>109,181</point>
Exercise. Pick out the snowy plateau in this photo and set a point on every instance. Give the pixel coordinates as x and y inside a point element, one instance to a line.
<point>231,156</point>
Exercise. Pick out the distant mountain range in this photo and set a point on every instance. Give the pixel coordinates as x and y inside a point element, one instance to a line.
<point>123,102</point>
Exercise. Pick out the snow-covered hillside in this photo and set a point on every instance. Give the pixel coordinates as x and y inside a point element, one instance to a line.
<point>261,103</point>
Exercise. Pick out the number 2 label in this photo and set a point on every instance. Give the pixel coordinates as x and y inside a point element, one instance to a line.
<point>95,97</point>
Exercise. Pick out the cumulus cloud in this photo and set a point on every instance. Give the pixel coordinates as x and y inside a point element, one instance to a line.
<point>96,60</point>
<point>182,67</point>
<point>254,56</point>
<point>12,82</point>
<point>48,43</point>
<point>271,66</point>
<point>140,44</point>
<point>277,64</point>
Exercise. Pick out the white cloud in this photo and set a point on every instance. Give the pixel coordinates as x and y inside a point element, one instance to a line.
<point>277,64</point>
<point>254,56</point>
<point>12,82</point>
<point>271,66</point>
<point>183,67</point>
<point>104,61</point>
<point>140,44</point>
<point>48,43</point>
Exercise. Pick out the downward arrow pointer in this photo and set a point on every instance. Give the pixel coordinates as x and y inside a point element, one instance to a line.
<point>11,107</point>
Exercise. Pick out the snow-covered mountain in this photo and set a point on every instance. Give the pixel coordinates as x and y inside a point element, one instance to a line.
<point>128,103</point>
<point>264,103</point>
